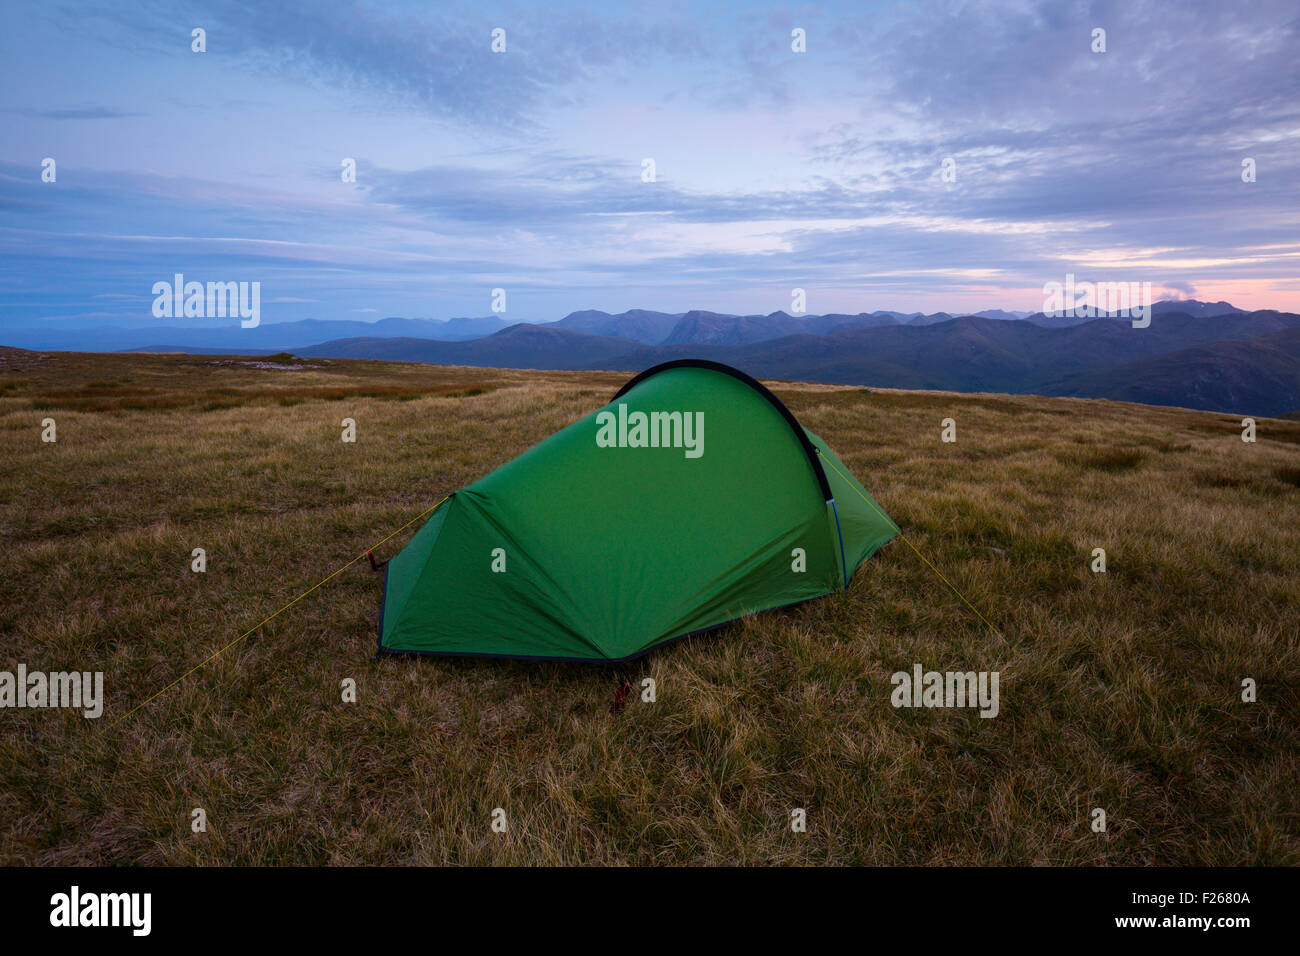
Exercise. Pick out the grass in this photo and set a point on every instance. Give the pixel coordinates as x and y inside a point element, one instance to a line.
<point>1118,690</point>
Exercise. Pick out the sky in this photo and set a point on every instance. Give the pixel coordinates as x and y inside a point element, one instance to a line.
<point>524,170</point>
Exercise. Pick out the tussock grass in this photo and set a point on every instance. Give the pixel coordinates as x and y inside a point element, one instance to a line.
<point>1105,457</point>
<point>1119,690</point>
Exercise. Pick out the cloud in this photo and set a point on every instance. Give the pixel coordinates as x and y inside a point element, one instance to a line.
<point>436,59</point>
<point>820,170</point>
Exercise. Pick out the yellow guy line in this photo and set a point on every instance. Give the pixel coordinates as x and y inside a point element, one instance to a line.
<point>277,613</point>
<point>853,484</point>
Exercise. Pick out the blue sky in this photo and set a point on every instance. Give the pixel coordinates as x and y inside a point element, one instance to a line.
<point>523,170</point>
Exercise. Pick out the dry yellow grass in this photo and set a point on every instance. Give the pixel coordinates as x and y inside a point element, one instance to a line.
<point>1119,691</point>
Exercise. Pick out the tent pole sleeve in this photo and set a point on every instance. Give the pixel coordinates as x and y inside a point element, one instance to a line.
<point>812,454</point>
<point>844,563</point>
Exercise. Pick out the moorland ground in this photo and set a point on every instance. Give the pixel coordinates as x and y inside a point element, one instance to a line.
<point>1119,690</point>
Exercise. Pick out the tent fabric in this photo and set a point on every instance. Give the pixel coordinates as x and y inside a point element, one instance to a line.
<point>620,532</point>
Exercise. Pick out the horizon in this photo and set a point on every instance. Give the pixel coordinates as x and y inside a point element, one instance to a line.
<point>885,167</point>
<point>233,321</point>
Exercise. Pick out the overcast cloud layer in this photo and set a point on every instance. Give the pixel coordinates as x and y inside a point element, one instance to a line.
<point>523,170</point>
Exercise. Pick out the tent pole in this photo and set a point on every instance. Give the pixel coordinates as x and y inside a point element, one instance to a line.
<point>843,560</point>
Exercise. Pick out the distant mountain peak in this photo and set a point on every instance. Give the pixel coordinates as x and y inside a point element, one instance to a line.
<point>1195,308</point>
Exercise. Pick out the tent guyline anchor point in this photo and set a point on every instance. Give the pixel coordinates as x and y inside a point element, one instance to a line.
<point>266,620</point>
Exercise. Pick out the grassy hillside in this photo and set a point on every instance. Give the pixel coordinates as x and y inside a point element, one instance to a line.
<point>1119,690</point>
<point>1260,373</point>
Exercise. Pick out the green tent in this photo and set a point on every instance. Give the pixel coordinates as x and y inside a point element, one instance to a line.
<point>691,499</point>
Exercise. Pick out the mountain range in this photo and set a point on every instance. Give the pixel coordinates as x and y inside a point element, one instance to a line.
<point>640,325</point>
<point>1194,354</point>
